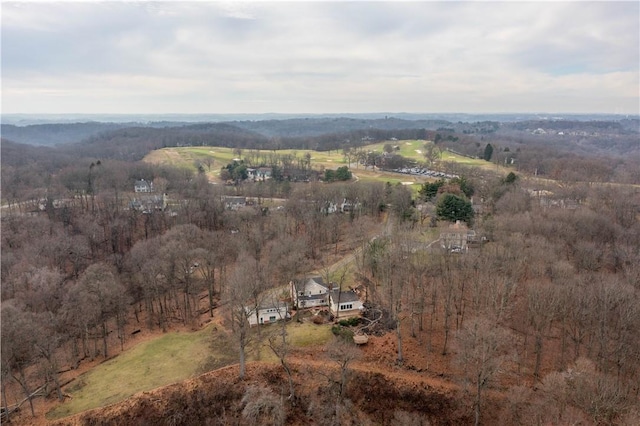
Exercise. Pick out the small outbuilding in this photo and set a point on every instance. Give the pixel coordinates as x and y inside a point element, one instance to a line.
<point>268,313</point>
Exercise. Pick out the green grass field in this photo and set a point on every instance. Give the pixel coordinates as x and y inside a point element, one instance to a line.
<point>189,157</point>
<point>170,358</point>
<point>158,362</point>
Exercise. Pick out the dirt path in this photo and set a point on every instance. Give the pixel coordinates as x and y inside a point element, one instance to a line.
<point>395,372</point>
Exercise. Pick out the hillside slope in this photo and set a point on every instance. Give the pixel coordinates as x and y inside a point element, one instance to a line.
<point>217,398</point>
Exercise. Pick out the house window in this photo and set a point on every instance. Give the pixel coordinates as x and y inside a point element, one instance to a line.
<point>346,307</point>
<point>272,318</point>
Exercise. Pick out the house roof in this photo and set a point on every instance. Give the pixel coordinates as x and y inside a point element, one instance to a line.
<point>313,297</point>
<point>344,296</point>
<point>271,305</point>
<point>234,199</point>
<point>301,284</point>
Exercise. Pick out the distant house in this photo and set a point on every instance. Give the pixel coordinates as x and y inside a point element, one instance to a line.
<point>268,313</point>
<point>546,199</point>
<point>233,202</point>
<point>309,292</point>
<point>348,206</point>
<point>148,203</point>
<point>457,238</point>
<point>143,186</point>
<point>261,173</point>
<point>328,207</point>
<point>345,303</point>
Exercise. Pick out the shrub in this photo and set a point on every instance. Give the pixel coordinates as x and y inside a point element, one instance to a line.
<point>318,319</point>
<point>342,332</point>
<point>350,322</point>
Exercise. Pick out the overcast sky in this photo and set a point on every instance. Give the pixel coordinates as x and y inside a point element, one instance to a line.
<point>320,57</point>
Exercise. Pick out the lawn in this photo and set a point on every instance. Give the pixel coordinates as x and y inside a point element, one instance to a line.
<point>307,334</point>
<point>189,157</point>
<point>300,335</point>
<point>164,360</point>
<point>170,358</point>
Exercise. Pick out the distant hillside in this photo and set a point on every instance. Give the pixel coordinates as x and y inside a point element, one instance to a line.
<point>54,134</point>
<point>133,143</point>
<point>299,127</point>
<point>61,133</point>
<point>18,154</point>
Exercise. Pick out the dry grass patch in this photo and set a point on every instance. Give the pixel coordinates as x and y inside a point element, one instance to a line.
<point>168,359</point>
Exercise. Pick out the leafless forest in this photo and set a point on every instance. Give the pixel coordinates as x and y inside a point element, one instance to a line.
<point>538,323</point>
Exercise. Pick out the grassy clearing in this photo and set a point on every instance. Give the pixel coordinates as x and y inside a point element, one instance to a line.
<point>300,335</point>
<point>307,334</point>
<point>168,359</point>
<point>189,157</point>
<point>407,148</point>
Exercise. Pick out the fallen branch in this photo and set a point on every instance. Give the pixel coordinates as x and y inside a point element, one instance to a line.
<point>16,406</point>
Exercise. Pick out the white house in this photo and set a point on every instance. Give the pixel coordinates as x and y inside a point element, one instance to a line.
<point>267,313</point>
<point>313,292</point>
<point>309,292</point>
<point>233,202</point>
<point>345,303</point>
<point>328,207</point>
<point>261,173</point>
<point>143,186</point>
<point>348,206</point>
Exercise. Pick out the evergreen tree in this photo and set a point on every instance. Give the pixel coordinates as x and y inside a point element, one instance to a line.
<point>511,178</point>
<point>430,189</point>
<point>488,152</point>
<point>465,186</point>
<point>452,208</point>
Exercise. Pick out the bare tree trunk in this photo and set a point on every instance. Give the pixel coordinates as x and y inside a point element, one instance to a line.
<point>211,291</point>
<point>400,358</point>
<point>54,377</point>
<point>538,352</point>
<point>4,398</point>
<point>242,352</point>
<point>104,338</point>
<point>563,343</point>
<point>75,352</point>
<point>85,342</point>
<point>22,380</point>
<point>477,402</point>
<point>446,330</point>
<point>120,325</point>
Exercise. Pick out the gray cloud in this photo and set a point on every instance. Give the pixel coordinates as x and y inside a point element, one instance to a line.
<point>320,57</point>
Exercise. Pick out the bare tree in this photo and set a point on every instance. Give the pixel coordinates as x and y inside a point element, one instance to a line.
<point>212,258</point>
<point>542,308</point>
<point>448,281</point>
<point>279,343</point>
<point>262,406</point>
<point>146,270</point>
<point>181,254</point>
<point>47,339</point>
<point>581,393</point>
<point>482,349</point>
<point>243,297</point>
<point>432,153</point>
<point>343,353</point>
<point>18,346</point>
<point>103,294</point>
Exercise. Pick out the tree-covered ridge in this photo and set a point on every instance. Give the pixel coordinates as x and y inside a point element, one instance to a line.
<point>83,257</point>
